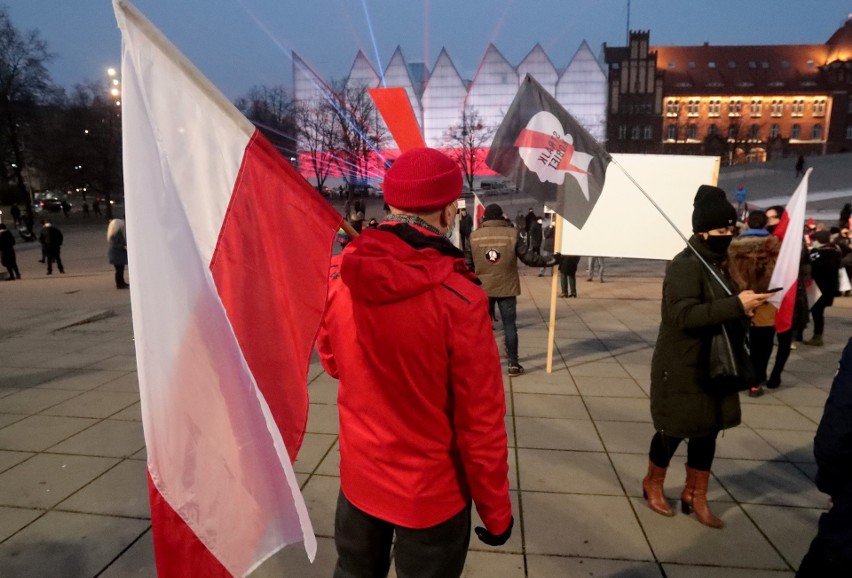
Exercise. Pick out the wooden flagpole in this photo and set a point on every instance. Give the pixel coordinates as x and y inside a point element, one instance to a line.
<point>551,332</point>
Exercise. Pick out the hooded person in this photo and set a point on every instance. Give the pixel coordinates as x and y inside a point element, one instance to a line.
<point>493,253</point>
<point>407,334</point>
<point>694,307</point>
<point>825,267</point>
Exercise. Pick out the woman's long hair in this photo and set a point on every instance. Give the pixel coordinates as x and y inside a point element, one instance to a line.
<point>114,227</point>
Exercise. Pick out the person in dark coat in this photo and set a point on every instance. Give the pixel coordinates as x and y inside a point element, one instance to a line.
<point>568,275</point>
<point>7,253</point>
<point>830,554</point>
<point>51,241</point>
<point>465,227</point>
<point>694,307</point>
<point>536,236</point>
<point>825,264</point>
<point>117,251</point>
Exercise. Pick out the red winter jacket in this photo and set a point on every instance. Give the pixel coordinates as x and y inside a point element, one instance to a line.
<point>421,400</point>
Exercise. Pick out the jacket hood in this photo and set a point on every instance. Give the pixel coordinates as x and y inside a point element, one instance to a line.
<point>380,267</point>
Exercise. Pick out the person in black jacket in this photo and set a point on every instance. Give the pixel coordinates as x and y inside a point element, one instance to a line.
<point>830,554</point>
<point>825,264</point>
<point>7,253</point>
<point>465,227</point>
<point>695,305</point>
<point>51,240</point>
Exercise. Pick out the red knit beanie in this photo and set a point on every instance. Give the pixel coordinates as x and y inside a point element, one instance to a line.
<point>422,180</point>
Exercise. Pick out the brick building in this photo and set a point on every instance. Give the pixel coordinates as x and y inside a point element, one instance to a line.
<point>743,103</point>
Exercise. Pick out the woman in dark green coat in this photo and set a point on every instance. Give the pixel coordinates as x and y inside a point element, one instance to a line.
<point>694,306</point>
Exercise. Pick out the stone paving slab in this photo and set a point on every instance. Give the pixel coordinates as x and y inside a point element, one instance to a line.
<point>73,496</point>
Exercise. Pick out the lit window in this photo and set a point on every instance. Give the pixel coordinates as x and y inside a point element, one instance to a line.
<point>756,107</point>
<point>671,132</point>
<point>816,132</point>
<point>711,64</point>
<point>692,132</point>
<point>810,63</point>
<point>774,131</point>
<point>690,65</point>
<point>754,132</point>
<point>752,64</point>
<point>785,64</point>
<point>798,108</point>
<point>634,133</point>
<point>672,107</point>
<point>732,64</point>
<point>692,107</point>
<point>648,132</point>
<point>622,132</point>
<point>777,108</point>
<point>735,108</point>
<point>764,64</point>
<point>776,84</point>
<point>713,108</point>
<point>819,107</point>
<point>796,132</point>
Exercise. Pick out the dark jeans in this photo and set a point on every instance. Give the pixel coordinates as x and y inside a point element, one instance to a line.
<point>760,341</point>
<point>782,354</point>
<point>364,545</point>
<point>830,554</point>
<point>699,451</point>
<point>119,276</point>
<point>818,313</point>
<point>568,281</point>
<point>54,256</point>
<point>508,311</point>
<point>12,267</point>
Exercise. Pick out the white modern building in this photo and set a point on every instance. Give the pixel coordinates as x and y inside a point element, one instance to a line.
<point>438,96</point>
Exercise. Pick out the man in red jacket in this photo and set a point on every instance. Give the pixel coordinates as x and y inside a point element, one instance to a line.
<point>421,399</point>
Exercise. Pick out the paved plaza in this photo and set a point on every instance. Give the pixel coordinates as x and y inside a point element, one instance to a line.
<point>73,499</point>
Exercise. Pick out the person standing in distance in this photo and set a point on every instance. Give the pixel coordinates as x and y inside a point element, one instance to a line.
<point>421,400</point>
<point>495,248</point>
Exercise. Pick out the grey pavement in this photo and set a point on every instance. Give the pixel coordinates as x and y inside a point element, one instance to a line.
<point>73,498</point>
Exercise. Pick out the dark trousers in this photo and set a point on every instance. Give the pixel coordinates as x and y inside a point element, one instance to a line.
<point>364,545</point>
<point>760,341</point>
<point>568,282</point>
<point>699,452</point>
<point>782,354</point>
<point>818,313</point>
<point>119,276</point>
<point>12,266</point>
<point>53,255</point>
<point>830,554</point>
<point>508,315</point>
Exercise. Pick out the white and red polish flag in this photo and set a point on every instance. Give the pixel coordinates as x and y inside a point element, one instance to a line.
<point>478,211</point>
<point>229,251</point>
<point>786,272</point>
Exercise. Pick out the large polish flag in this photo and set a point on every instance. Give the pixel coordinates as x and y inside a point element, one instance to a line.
<point>786,270</point>
<point>229,251</point>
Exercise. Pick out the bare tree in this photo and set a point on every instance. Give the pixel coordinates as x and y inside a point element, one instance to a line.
<point>318,130</point>
<point>467,141</point>
<point>24,83</point>
<point>273,112</point>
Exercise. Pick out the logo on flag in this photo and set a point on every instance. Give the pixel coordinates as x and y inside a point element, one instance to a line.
<point>549,155</point>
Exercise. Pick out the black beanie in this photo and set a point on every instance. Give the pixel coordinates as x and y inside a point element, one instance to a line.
<point>492,212</point>
<point>711,210</point>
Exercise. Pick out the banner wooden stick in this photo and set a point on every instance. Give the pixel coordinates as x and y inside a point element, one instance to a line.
<point>551,333</point>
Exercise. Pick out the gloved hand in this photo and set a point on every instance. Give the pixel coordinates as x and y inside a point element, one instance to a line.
<point>494,540</point>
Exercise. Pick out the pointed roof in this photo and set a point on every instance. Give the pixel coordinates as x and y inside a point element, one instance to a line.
<point>442,63</point>
<point>362,72</point>
<point>582,62</point>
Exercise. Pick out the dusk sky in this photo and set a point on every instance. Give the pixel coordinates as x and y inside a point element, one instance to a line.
<point>226,40</point>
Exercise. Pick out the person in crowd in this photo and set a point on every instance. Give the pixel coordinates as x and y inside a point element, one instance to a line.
<point>596,267</point>
<point>66,208</point>
<point>86,213</point>
<point>51,241</point>
<point>800,166</point>
<point>830,553</point>
<point>15,210</point>
<point>465,227</point>
<point>568,275</point>
<point>529,219</point>
<point>357,220</point>
<point>494,250</point>
<point>825,264</point>
<point>96,207</point>
<point>7,253</point>
<point>536,233</point>
<point>117,240</point>
<point>751,260</point>
<point>548,243</point>
<point>694,306</point>
<point>846,216</point>
<point>421,399</point>
<point>41,239</point>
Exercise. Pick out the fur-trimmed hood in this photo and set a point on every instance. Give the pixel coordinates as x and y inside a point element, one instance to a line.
<point>751,260</point>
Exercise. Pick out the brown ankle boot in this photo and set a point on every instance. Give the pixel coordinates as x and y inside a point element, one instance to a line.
<point>652,490</point>
<point>694,498</point>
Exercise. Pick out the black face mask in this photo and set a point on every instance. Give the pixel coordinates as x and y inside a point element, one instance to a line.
<point>718,244</point>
